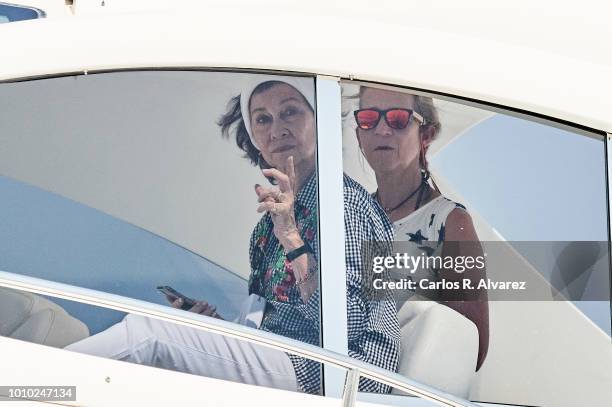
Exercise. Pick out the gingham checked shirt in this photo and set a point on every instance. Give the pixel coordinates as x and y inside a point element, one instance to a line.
<point>373,329</point>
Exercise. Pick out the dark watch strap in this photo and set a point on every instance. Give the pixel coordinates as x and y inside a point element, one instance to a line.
<point>294,254</point>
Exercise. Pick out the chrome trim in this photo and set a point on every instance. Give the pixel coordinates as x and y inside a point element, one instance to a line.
<point>230,329</point>
<point>331,227</point>
<point>351,388</point>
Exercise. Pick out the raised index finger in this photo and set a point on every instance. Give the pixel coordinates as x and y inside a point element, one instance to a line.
<point>291,172</point>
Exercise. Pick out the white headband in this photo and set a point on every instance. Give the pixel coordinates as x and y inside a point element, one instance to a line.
<point>303,85</point>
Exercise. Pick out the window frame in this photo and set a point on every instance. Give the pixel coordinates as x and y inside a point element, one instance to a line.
<point>579,130</point>
<point>331,226</point>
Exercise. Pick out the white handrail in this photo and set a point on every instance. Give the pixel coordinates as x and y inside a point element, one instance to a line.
<point>166,313</point>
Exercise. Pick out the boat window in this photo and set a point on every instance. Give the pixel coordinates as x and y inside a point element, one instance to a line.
<point>499,268</point>
<point>188,183</point>
<point>13,12</point>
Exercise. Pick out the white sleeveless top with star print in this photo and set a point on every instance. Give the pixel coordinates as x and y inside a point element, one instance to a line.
<point>421,234</point>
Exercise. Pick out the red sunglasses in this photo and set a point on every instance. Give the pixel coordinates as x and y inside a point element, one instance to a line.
<point>396,118</point>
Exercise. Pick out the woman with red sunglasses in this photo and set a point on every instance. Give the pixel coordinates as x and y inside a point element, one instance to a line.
<point>394,131</point>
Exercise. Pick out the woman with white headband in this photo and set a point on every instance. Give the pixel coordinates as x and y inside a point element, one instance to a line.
<point>273,123</point>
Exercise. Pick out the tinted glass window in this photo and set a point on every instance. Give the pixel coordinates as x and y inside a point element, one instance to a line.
<point>164,185</point>
<point>499,265</point>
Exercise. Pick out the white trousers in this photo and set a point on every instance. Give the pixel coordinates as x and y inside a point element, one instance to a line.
<point>162,344</point>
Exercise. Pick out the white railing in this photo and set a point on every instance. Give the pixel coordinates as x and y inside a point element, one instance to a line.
<point>355,368</point>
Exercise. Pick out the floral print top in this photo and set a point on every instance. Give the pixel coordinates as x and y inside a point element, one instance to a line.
<point>272,278</point>
<point>373,328</point>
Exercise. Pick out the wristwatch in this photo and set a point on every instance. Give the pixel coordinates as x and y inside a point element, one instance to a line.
<point>295,253</point>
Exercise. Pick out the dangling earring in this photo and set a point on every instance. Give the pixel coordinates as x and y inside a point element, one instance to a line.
<point>425,165</point>
<point>261,162</point>
<point>422,158</point>
<point>263,165</point>
<point>361,157</point>
<point>425,169</point>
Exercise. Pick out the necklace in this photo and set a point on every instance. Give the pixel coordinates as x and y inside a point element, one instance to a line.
<point>419,188</point>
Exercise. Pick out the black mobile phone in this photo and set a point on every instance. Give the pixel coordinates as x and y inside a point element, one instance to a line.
<point>167,290</point>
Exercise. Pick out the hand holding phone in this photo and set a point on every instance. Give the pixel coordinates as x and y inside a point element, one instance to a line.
<point>170,292</point>
<point>188,304</point>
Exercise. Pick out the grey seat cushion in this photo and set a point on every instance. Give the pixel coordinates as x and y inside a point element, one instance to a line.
<point>35,319</point>
<point>439,346</point>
